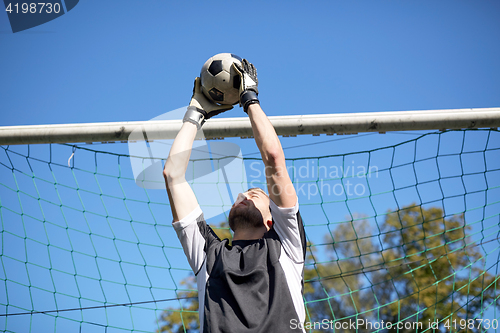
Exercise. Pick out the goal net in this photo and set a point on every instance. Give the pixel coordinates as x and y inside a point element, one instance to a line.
<point>400,238</point>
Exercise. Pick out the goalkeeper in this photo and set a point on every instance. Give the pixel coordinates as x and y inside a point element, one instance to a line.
<point>254,285</point>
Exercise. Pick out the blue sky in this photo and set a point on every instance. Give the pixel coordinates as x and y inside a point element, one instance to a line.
<point>131,60</point>
<point>124,60</point>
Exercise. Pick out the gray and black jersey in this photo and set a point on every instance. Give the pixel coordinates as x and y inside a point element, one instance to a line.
<point>251,286</point>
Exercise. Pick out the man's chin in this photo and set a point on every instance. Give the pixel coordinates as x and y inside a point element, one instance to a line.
<point>234,210</point>
<point>239,207</point>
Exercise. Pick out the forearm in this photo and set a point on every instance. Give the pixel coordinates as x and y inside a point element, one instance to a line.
<point>265,136</point>
<point>180,195</point>
<point>279,185</point>
<point>178,158</point>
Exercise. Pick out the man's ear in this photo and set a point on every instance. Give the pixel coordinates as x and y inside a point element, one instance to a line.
<point>269,224</point>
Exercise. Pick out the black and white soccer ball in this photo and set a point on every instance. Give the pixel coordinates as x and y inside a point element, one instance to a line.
<point>219,81</point>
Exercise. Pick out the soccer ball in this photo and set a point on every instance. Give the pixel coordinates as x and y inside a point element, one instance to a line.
<point>219,81</point>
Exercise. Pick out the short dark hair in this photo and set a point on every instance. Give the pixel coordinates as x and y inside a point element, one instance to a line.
<point>248,220</point>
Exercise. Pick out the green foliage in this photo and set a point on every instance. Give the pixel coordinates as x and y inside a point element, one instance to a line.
<point>184,318</point>
<point>436,272</point>
<point>418,266</point>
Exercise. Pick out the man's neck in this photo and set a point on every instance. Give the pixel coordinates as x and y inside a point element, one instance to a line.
<point>249,234</point>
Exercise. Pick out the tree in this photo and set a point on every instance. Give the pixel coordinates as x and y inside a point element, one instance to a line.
<point>185,318</point>
<point>337,289</point>
<point>418,266</point>
<point>434,269</point>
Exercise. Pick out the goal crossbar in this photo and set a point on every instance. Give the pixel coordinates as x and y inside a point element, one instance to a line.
<point>217,128</point>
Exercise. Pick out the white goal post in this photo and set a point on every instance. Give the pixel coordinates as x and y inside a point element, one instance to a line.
<point>339,123</point>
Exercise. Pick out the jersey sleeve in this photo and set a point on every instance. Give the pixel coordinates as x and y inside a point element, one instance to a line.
<point>290,229</point>
<point>195,237</point>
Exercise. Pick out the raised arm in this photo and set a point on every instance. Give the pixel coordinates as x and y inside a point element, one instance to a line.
<point>180,194</point>
<point>279,185</point>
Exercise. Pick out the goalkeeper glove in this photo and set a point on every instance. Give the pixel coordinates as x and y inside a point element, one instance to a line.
<point>249,83</point>
<point>201,108</point>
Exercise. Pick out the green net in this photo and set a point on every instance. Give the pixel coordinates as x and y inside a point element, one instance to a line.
<point>403,238</point>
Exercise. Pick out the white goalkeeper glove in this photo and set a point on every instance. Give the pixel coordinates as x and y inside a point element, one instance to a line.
<point>249,82</point>
<point>201,108</point>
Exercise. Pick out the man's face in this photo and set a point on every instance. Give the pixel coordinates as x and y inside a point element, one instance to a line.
<point>252,207</point>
